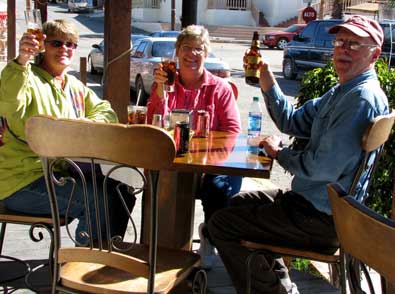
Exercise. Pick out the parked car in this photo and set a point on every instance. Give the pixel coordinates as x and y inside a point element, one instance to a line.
<point>148,54</point>
<point>280,39</point>
<point>165,34</point>
<point>96,55</point>
<point>79,6</point>
<point>313,47</point>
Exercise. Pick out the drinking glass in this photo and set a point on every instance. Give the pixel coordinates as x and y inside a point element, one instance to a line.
<point>34,26</point>
<point>157,120</point>
<point>137,114</point>
<point>169,65</point>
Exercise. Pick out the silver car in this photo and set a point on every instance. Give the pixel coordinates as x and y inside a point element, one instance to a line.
<point>96,55</point>
<point>146,57</point>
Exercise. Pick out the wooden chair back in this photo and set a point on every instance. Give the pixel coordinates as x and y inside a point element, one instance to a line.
<point>136,145</point>
<point>362,233</point>
<point>372,144</point>
<point>65,142</point>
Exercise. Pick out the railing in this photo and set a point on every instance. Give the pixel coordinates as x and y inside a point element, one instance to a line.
<point>327,7</point>
<point>229,4</point>
<point>152,3</point>
<point>348,3</point>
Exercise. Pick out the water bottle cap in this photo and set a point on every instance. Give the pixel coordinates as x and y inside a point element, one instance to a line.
<point>255,98</point>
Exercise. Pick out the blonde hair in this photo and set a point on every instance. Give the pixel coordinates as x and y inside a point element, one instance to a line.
<point>194,32</point>
<point>61,28</point>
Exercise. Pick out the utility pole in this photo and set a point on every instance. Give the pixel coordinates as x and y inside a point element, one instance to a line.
<point>189,13</point>
<point>321,14</point>
<point>173,15</point>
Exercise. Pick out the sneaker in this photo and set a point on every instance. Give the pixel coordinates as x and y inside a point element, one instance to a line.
<point>293,289</point>
<point>206,250</point>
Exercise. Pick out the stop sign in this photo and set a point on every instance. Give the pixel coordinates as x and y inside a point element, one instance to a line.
<point>309,14</point>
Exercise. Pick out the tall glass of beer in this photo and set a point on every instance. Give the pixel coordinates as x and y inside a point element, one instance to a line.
<point>34,26</point>
<point>169,65</point>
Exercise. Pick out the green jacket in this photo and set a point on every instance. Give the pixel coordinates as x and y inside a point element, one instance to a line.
<point>28,91</point>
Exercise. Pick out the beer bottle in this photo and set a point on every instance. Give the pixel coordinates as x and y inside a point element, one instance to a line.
<point>251,61</point>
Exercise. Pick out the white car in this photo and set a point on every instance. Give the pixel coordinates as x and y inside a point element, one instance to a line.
<point>96,55</point>
<point>79,6</point>
<point>146,57</point>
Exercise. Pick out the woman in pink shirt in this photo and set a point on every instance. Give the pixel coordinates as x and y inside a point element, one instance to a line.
<point>198,89</point>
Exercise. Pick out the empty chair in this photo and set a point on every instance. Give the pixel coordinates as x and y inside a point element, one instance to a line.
<point>364,234</point>
<point>104,262</point>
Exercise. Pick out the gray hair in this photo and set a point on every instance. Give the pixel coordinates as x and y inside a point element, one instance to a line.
<point>194,32</point>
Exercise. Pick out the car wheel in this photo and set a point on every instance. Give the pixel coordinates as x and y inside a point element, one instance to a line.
<point>282,43</point>
<point>140,93</point>
<point>289,69</point>
<point>92,69</point>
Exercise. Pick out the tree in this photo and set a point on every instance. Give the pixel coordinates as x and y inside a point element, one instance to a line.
<point>337,9</point>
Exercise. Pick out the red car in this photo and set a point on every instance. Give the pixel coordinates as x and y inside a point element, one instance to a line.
<point>280,39</point>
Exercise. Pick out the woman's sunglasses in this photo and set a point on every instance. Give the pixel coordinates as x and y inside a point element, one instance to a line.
<point>58,44</point>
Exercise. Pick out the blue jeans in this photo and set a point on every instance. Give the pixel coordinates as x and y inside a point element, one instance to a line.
<point>33,199</point>
<point>216,191</point>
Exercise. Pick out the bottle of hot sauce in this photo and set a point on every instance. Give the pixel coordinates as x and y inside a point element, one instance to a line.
<point>251,61</point>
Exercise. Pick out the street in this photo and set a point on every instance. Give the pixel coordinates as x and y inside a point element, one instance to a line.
<point>91,31</point>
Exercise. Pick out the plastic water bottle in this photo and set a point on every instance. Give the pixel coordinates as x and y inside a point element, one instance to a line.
<point>254,118</point>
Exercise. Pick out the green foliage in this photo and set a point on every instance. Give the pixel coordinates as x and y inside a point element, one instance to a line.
<point>302,265</point>
<point>318,81</point>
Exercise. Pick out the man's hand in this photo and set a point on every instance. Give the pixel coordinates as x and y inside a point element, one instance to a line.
<point>266,79</point>
<point>272,145</point>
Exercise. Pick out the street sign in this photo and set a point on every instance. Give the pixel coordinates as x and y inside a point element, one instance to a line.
<point>309,14</point>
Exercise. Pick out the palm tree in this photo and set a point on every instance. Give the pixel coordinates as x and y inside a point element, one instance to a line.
<point>337,9</point>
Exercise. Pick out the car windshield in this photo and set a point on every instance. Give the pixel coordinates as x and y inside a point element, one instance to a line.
<point>160,49</point>
<point>292,29</point>
<point>165,34</point>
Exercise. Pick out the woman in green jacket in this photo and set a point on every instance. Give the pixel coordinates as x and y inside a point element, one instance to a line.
<point>28,89</point>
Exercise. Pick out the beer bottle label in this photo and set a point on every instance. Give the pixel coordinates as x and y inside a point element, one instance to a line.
<point>252,69</point>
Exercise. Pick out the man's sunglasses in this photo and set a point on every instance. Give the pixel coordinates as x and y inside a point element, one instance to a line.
<point>58,44</point>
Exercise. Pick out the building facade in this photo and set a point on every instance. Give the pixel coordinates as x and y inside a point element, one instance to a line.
<point>222,12</point>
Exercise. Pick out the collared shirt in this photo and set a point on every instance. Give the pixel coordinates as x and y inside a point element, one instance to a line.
<point>215,96</point>
<point>30,90</point>
<point>334,125</point>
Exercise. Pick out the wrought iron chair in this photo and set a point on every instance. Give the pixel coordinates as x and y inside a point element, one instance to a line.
<point>372,142</point>
<point>106,263</point>
<point>365,235</point>
<point>36,223</point>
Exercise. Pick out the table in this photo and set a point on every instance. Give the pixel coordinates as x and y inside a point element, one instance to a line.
<point>221,153</point>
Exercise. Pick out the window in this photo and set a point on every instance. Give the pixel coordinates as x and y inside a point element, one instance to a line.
<point>308,31</point>
<point>160,49</point>
<point>140,50</point>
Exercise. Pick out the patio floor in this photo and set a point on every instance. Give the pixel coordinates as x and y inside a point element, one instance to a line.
<point>18,244</point>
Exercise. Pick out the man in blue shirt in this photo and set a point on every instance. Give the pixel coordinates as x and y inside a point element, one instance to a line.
<point>334,125</point>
